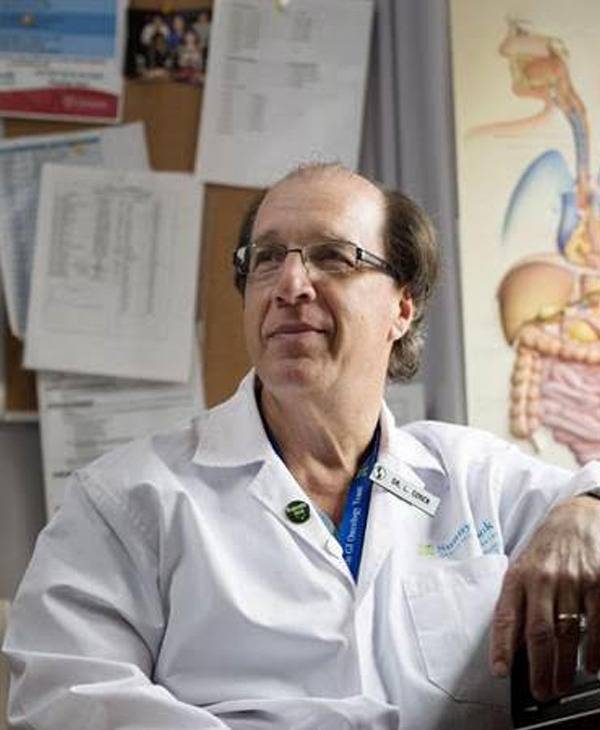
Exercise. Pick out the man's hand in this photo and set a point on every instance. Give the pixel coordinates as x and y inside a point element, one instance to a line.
<point>557,575</point>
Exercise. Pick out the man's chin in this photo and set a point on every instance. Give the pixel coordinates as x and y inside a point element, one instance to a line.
<point>294,373</point>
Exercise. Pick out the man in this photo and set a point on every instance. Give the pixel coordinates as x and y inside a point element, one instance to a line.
<point>292,559</point>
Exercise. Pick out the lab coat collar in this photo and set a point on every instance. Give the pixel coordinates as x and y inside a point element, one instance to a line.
<point>232,434</point>
<point>400,445</point>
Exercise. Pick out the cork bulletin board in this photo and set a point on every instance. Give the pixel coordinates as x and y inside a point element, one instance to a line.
<point>171,113</point>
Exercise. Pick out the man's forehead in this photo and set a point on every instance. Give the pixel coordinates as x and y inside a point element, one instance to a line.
<point>316,199</point>
<point>326,182</point>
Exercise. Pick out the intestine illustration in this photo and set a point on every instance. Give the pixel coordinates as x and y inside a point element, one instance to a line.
<point>549,302</point>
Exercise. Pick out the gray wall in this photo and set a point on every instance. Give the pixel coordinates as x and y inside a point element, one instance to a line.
<point>22,512</point>
<point>408,143</point>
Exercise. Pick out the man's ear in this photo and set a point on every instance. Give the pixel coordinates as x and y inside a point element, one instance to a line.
<point>405,310</point>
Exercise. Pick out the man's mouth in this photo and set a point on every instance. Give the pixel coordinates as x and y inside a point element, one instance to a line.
<point>293,328</point>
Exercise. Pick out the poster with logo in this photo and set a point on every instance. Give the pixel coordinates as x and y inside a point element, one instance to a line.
<point>62,59</point>
<point>527,118</point>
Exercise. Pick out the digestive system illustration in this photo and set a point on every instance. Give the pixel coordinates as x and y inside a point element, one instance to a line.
<point>549,302</point>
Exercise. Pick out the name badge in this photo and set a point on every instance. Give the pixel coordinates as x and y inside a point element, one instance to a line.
<point>405,489</point>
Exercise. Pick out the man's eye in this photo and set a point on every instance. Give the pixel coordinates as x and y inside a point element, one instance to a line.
<point>266,256</point>
<point>333,255</point>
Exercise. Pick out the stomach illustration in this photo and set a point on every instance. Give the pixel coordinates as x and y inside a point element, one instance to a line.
<point>549,303</point>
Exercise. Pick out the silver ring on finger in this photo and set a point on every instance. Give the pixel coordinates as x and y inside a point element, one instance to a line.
<point>571,622</point>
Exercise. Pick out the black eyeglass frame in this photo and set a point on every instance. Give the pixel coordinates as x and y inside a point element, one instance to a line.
<point>241,258</point>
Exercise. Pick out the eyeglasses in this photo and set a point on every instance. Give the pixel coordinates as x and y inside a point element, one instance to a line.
<point>264,261</point>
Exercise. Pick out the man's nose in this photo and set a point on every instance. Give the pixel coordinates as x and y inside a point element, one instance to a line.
<point>293,281</point>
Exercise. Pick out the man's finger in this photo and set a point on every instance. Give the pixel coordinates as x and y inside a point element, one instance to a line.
<point>592,610</point>
<point>567,642</point>
<point>507,624</point>
<point>540,638</point>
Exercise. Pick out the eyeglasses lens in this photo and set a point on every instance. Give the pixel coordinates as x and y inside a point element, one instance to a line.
<point>331,257</point>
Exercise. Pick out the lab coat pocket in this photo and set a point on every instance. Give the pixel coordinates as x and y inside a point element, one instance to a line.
<point>451,604</point>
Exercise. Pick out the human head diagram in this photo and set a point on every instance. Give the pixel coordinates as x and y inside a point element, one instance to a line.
<point>411,249</point>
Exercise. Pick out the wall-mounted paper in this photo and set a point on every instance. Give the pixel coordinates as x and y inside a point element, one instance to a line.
<point>114,277</point>
<point>82,417</point>
<point>21,162</point>
<point>284,85</point>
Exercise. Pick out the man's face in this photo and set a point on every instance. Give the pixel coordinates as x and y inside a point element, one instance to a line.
<point>311,330</point>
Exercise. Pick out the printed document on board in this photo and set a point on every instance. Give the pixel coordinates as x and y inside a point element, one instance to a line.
<point>82,417</point>
<point>284,85</point>
<point>21,162</point>
<point>114,274</point>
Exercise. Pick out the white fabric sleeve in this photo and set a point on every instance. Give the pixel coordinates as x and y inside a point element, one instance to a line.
<point>530,489</point>
<point>519,488</point>
<point>85,629</point>
<point>593,492</point>
<point>503,483</point>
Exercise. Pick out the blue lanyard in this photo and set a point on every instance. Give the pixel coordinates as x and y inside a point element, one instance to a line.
<point>351,532</point>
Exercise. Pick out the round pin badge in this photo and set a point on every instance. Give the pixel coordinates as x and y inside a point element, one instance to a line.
<point>297,511</point>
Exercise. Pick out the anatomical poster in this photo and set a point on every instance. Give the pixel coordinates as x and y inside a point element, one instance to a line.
<point>527,108</point>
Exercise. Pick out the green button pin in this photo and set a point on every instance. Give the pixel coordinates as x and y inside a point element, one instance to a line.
<point>297,511</point>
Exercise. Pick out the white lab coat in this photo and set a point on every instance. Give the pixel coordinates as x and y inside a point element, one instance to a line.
<point>171,592</point>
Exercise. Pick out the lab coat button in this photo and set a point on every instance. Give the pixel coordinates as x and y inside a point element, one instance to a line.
<point>334,548</point>
<point>297,511</point>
